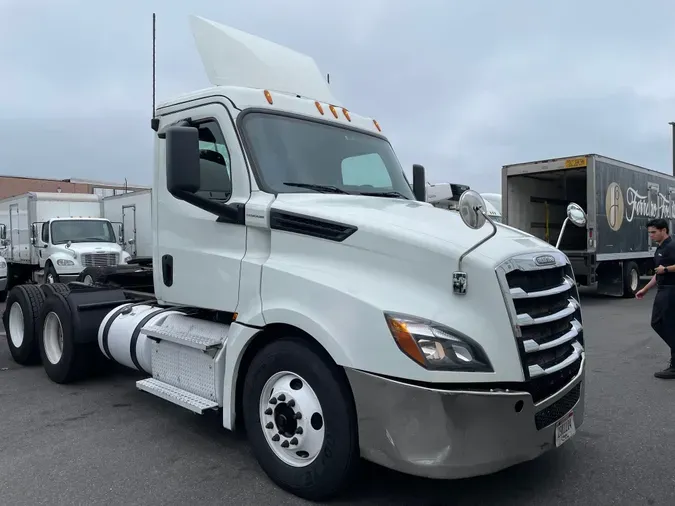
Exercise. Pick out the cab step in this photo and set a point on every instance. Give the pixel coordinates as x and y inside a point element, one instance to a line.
<point>190,332</point>
<point>178,396</point>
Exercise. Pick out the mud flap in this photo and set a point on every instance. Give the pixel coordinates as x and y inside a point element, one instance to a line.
<point>610,278</point>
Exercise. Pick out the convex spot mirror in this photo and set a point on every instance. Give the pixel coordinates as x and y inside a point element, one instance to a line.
<point>576,214</point>
<point>470,206</point>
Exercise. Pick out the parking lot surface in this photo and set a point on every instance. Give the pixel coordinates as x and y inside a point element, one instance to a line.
<point>103,442</point>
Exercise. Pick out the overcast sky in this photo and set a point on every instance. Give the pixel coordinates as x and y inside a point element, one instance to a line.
<point>462,87</point>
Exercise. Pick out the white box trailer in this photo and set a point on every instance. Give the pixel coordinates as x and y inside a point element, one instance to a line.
<point>134,211</point>
<point>54,236</point>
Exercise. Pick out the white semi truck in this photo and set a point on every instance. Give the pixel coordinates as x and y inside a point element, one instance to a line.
<point>52,237</point>
<point>306,290</point>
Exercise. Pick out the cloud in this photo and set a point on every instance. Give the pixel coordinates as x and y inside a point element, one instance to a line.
<point>461,87</point>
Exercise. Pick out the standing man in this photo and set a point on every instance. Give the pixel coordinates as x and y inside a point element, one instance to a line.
<point>663,312</point>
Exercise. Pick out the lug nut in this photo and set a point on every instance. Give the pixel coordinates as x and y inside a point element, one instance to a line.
<point>282,398</point>
<point>294,441</point>
<point>276,438</point>
<point>284,444</point>
<point>298,430</point>
<point>290,403</point>
<point>269,411</point>
<point>269,425</point>
<point>298,415</point>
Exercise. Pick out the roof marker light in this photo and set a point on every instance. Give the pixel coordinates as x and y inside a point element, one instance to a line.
<point>318,107</point>
<point>346,113</point>
<point>377,125</point>
<point>333,110</point>
<point>268,96</point>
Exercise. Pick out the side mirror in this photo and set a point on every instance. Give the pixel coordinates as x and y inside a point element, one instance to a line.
<point>419,183</point>
<point>470,206</point>
<point>576,215</point>
<point>182,160</point>
<point>33,233</point>
<point>3,231</point>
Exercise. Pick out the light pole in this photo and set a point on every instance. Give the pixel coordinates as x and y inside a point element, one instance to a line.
<point>672,124</point>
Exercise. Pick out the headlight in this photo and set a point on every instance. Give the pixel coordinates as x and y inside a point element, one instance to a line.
<point>3,264</point>
<point>435,346</point>
<point>64,263</point>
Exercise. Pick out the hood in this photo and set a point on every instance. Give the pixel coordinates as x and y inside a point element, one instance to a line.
<point>93,247</point>
<point>413,222</point>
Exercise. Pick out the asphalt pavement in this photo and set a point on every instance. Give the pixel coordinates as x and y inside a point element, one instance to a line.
<point>103,442</point>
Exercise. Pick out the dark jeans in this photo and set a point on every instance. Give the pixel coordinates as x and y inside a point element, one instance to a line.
<point>663,316</point>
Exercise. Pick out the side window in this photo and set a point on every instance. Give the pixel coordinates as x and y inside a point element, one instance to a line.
<point>45,232</point>
<point>366,169</point>
<point>216,183</point>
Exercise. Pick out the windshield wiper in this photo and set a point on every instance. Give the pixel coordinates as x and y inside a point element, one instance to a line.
<point>319,187</point>
<point>393,194</point>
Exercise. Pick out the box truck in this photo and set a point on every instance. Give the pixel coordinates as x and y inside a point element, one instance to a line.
<point>133,211</point>
<point>613,249</point>
<point>52,237</point>
<point>332,317</point>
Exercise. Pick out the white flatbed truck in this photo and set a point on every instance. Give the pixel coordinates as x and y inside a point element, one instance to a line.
<point>304,288</point>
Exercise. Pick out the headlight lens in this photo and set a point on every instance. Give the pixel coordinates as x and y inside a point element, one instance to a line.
<point>435,346</point>
<point>64,263</point>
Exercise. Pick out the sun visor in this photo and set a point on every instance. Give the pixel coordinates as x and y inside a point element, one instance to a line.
<point>235,58</point>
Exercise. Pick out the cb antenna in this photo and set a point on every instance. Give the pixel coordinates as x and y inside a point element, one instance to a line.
<point>154,24</point>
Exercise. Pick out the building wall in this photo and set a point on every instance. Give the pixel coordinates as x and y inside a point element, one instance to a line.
<point>11,185</point>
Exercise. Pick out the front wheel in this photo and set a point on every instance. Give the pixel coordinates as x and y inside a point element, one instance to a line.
<point>300,418</point>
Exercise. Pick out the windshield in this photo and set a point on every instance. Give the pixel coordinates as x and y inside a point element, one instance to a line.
<point>82,231</point>
<point>289,151</point>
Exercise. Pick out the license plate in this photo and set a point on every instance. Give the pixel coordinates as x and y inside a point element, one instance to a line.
<point>564,429</point>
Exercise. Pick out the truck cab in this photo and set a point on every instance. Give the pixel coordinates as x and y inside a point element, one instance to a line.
<point>306,290</point>
<point>65,246</point>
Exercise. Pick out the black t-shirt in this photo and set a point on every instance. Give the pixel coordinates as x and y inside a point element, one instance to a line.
<point>665,255</point>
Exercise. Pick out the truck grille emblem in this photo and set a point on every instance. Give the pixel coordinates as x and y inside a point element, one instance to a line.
<point>544,260</point>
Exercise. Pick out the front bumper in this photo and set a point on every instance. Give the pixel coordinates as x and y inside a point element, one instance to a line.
<point>456,434</point>
<point>3,283</point>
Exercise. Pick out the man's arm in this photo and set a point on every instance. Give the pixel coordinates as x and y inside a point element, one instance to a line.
<point>649,285</point>
<point>641,293</point>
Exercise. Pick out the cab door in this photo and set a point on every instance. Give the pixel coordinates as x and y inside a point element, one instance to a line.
<point>198,255</point>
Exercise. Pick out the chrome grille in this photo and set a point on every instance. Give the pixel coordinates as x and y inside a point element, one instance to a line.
<point>543,303</point>
<point>99,259</point>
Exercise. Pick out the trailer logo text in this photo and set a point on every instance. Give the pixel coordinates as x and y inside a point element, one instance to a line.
<point>652,205</point>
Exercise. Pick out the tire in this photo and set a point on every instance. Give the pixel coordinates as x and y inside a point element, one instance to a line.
<point>20,321</point>
<point>631,279</point>
<point>64,361</point>
<point>337,453</point>
<point>50,272</point>
<point>60,288</point>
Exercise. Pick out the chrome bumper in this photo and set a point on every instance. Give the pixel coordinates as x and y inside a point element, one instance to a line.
<point>3,284</point>
<point>455,434</point>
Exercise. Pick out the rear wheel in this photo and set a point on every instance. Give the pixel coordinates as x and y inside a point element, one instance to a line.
<point>631,279</point>
<point>20,322</point>
<point>300,418</point>
<point>64,359</point>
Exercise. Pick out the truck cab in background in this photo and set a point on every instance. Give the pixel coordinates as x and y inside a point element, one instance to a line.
<point>52,237</point>
<point>302,288</point>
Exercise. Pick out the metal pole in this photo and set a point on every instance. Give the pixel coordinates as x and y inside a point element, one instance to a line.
<point>672,124</point>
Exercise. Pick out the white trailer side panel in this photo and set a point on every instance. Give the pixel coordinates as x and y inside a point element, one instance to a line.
<point>134,212</point>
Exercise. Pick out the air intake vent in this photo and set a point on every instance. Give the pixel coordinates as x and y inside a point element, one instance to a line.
<point>314,227</point>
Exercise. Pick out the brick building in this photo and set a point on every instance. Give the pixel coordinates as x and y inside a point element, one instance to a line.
<point>16,185</point>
